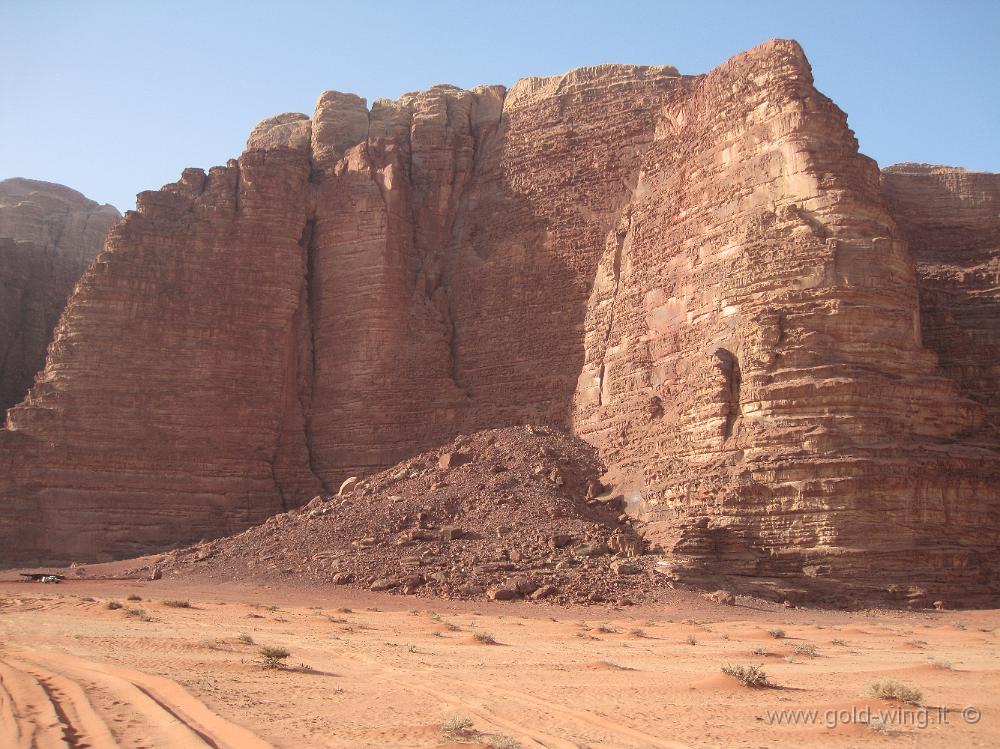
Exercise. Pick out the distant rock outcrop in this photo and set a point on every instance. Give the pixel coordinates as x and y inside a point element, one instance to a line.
<point>697,274</point>
<point>48,235</point>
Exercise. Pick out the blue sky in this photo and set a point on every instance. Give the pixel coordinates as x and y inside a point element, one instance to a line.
<point>112,98</point>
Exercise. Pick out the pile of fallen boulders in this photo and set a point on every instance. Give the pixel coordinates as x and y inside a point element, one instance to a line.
<point>515,513</point>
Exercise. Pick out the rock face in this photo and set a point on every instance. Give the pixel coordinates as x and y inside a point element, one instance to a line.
<point>48,235</point>
<point>697,274</point>
<point>951,220</point>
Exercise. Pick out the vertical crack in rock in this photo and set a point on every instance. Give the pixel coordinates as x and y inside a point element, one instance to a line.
<point>729,367</point>
<point>307,340</point>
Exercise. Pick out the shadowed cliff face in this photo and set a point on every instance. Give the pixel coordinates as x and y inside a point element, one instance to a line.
<point>48,235</point>
<point>696,273</point>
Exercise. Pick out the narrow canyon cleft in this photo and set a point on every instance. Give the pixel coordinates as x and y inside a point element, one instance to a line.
<point>784,358</point>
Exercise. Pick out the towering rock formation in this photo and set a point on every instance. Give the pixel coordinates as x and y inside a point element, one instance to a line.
<point>696,273</point>
<point>48,235</point>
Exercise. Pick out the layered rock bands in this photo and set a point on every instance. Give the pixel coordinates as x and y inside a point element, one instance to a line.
<point>48,235</point>
<point>697,274</point>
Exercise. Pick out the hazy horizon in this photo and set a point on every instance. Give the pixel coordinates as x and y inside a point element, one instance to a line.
<point>111,99</point>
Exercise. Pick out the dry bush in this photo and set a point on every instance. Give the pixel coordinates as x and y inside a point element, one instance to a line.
<point>273,656</point>
<point>748,675</point>
<point>890,689</point>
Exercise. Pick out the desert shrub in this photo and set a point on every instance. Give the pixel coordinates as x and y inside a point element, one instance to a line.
<point>457,725</point>
<point>805,649</point>
<point>113,605</point>
<point>637,632</point>
<point>748,675</point>
<point>135,613</point>
<point>273,656</point>
<point>940,663</point>
<point>890,689</point>
<point>496,741</point>
<point>760,651</point>
<point>177,604</point>
<point>691,640</point>
<point>842,643</point>
<point>777,634</point>
<point>245,639</point>
<point>878,725</point>
<point>485,638</point>
<point>134,597</point>
<point>606,630</point>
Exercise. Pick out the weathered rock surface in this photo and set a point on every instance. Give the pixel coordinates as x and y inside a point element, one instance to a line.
<point>48,235</point>
<point>951,220</point>
<point>697,274</point>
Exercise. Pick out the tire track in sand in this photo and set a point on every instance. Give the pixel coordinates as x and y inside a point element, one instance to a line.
<point>59,701</point>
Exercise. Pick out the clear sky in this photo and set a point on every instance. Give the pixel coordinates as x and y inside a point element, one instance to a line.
<point>113,97</point>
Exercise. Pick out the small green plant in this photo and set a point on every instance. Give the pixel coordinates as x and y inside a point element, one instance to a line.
<point>273,657</point>
<point>457,725</point>
<point>113,605</point>
<point>806,650</point>
<point>748,675</point>
<point>484,638</point>
<point>777,634</point>
<point>134,597</point>
<point>890,689</point>
<point>177,604</point>
<point>691,640</point>
<point>245,639</point>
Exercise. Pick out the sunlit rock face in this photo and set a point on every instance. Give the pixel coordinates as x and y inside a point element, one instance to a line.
<point>698,274</point>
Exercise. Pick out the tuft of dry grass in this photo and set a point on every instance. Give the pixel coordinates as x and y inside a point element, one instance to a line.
<point>484,638</point>
<point>777,634</point>
<point>134,597</point>
<point>177,604</point>
<point>113,605</point>
<point>245,639</point>
<point>805,649</point>
<point>457,726</point>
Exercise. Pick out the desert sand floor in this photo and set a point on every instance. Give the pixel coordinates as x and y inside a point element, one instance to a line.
<point>370,670</point>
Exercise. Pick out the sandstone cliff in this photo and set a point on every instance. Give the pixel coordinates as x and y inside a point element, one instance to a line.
<point>698,274</point>
<point>48,235</point>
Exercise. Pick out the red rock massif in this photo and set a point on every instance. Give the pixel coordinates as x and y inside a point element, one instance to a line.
<point>699,275</point>
<point>48,235</point>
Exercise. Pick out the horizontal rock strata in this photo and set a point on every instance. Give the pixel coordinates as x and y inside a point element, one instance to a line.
<point>700,275</point>
<point>48,235</point>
